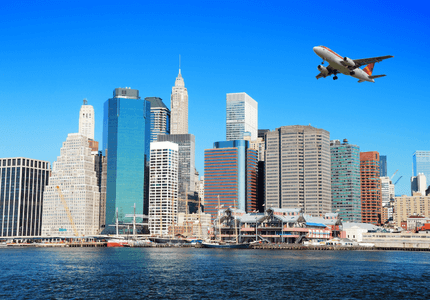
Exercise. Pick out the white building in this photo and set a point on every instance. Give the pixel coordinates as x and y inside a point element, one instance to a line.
<point>387,191</point>
<point>74,174</point>
<point>202,190</point>
<point>242,116</point>
<point>179,107</point>
<point>354,231</point>
<point>419,184</point>
<point>163,187</point>
<point>86,120</point>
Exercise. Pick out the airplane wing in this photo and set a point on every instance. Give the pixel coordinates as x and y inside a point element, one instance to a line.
<point>330,70</point>
<point>366,61</point>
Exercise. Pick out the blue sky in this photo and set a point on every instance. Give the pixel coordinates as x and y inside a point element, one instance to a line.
<point>55,53</point>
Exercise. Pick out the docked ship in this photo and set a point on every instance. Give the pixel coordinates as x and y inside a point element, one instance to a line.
<point>117,243</point>
<point>225,245</point>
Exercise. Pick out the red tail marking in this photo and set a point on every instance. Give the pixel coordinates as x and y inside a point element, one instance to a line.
<point>369,69</point>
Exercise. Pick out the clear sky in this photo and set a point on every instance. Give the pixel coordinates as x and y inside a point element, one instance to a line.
<point>55,53</point>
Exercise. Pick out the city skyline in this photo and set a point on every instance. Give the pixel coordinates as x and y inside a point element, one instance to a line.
<point>50,80</point>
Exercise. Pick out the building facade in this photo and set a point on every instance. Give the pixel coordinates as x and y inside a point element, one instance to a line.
<point>22,183</point>
<point>87,120</point>
<point>345,180</point>
<point>371,198</point>
<point>419,184</point>
<point>242,116</point>
<point>179,107</point>
<point>421,163</point>
<point>387,194</point>
<point>297,169</point>
<point>231,176</point>
<point>186,169</point>
<point>160,118</point>
<point>72,189</point>
<point>406,206</point>
<point>383,166</point>
<point>126,142</point>
<point>163,187</point>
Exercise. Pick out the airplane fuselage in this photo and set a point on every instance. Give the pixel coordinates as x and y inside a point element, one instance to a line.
<point>336,62</point>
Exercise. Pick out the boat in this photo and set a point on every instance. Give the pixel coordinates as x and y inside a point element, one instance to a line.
<point>117,243</point>
<point>225,245</point>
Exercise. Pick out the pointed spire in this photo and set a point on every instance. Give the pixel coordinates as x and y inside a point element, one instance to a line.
<point>179,64</point>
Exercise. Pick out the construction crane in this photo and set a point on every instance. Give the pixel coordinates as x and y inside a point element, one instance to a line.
<point>66,208</point>
<point>398,180</point>
<point>393,175</point>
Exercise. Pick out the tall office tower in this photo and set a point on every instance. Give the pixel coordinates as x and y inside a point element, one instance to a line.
<point>406,206</point>
<point>163,187</point>
<point>371,198</point>
<point>179,106</point>
<point>387,194</point>
<point>242,116</point>
<point>160,118</point>
<point>86,120</point>
<point>22,182</point>
<point>231,175</point>
<point>419,184</point>
<point>383,166</point>
<point>100,166</point>
<point>298,169</point>
<point>345,180</point>
<point>74,174</point>
<point>421,163</point>
<point>202,190</point>
<point>126,142</point>
<point>186,185</point>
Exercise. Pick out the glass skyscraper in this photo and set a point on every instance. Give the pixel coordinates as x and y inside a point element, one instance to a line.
<point>242,116</point>
<point>421,163</point>
<point>126,142</point>
<point>22,182</point>
<point>160,117</point>
<point>383,166</point>
<point>345,180</point>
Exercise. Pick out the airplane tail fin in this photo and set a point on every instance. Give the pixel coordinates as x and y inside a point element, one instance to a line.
<point>369,69</point>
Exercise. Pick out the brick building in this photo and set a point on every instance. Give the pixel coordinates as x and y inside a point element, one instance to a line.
<point>371,196</point>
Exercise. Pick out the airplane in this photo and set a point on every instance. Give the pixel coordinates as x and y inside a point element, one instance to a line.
<point>347,66</point>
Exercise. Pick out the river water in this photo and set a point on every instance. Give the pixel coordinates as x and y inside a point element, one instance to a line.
<point>188,273</point>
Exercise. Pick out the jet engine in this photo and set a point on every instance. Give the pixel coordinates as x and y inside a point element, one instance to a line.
<point>349,62</point>
<point>323,70</point>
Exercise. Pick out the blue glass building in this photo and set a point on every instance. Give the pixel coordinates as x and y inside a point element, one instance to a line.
<point>421,163</point>
<point>126,141</point>
<point>383,166</point>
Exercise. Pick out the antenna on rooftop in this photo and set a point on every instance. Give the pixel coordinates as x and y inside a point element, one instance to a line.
<point>85,101</point>
<point>179,62</point>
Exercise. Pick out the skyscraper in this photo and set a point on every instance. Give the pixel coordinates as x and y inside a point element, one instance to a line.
<point>421,163</point>
<point>74,174</point>
<point>383,166</point>
<point>22,182</point>
<point>231,175</point>
<point>345,180</point>
<point>419,184</point>
<point>371,198</point>
<point>163,187</point>
<point>160,117</point>
<point>179,106</point>
<point>126,142</point>
<point>186,185</point>
<point>298,169</point>
<point>86,120</point>
<point>242,116</point>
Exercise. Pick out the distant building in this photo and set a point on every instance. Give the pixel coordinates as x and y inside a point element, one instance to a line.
<point>74,174</point>
<point>160,118</point>
<point>126,141</point>
<point>298,169</point>
<point>371,198</point>
<point>419,184</point>
<point>86,120</point>
<point>202,190</point>
<point>242,116</point>
<point>163,187</point>
<point>179,106</point>
<point>406,206</point>
<point>186,169</point>
<point>22,183</point>
<point>345,180</point>
<point>387,194</point>
<point>231,175</point>
<point>383,166</point>
<point>421,163</point>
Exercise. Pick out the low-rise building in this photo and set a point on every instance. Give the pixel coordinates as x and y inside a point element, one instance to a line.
<point>406,206</point>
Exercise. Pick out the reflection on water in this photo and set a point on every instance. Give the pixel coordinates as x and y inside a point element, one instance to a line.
<point>172,273</point>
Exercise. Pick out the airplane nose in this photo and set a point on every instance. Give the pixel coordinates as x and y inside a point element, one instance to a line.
<point>316,49</point>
